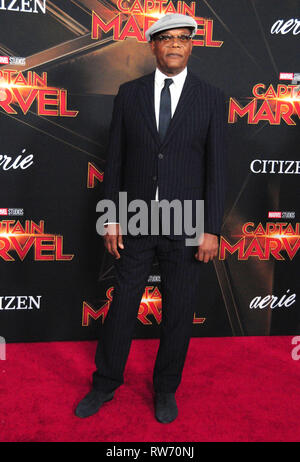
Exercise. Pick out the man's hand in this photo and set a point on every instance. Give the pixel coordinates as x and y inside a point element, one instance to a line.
<point>207,248</point>
<point>113,239</point>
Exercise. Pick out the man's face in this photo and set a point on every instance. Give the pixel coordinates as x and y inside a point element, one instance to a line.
<point>172,56</point>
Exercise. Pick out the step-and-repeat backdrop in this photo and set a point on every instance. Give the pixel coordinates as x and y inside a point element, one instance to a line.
<point>61,63</point>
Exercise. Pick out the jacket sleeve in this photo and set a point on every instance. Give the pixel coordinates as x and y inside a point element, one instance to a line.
<point>216,153</point>
<point>115,153</point>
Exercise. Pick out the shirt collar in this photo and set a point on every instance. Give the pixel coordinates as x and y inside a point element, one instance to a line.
<point>177,79</point>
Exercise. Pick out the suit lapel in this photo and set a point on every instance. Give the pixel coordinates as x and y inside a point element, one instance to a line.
<point>146,99</point>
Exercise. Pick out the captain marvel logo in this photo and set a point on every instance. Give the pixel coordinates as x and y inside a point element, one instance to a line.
<point>279,241</point>
<point>150,309</point>
<point>133,18</point>
<point>19,241</point>
<point>30,91</point>
<point>274,105</point>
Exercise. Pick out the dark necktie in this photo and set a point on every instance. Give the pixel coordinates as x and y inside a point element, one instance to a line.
<point>165,109</point>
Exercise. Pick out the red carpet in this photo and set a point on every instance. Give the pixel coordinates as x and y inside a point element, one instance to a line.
<point>233,389</point>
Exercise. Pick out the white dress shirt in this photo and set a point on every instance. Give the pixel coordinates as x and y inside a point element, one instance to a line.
<point>175,91</point>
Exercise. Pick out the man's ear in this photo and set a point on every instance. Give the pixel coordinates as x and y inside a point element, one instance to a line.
<point>151,45</point>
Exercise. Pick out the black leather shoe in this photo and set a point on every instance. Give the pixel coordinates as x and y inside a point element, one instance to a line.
<point>92,402</point>
<point>165,407</point>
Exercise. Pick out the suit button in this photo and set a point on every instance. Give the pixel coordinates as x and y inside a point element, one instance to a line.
<point>160,156</point>
<point>154,178</point>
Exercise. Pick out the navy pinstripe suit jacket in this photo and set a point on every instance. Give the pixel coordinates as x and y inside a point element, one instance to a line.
<point>192,165</point>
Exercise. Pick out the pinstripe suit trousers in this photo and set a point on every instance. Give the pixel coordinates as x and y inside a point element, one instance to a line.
<point>180,289</point>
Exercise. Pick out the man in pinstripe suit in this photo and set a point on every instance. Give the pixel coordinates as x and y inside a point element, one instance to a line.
<point>167,141</point>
